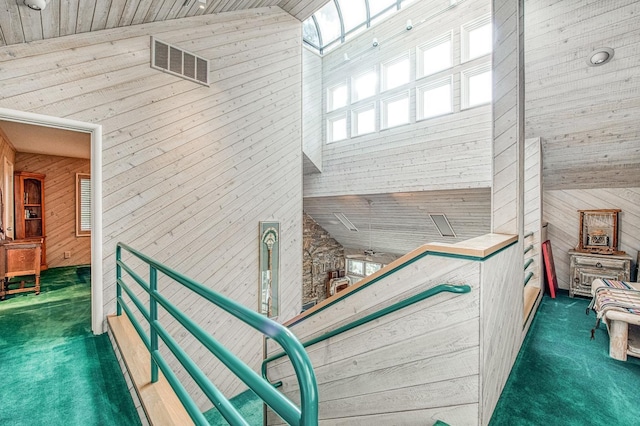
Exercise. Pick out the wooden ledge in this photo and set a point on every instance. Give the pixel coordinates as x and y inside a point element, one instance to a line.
<point>159,401</point>
<point>477,248</point>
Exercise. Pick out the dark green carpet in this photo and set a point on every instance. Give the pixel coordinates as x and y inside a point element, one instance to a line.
<point>54,371</point>
<point>248,405</point>
<point>561,377</point>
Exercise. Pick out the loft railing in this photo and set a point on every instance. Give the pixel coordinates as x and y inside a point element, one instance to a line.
<point>371,317</point>
<point>306,414</point>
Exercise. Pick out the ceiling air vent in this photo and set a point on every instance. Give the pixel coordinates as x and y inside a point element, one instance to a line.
<point>176,61</point>
<point>442,223</point>
<point>346,222</point>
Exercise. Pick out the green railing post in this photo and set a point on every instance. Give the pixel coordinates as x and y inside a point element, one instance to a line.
<point>118,279</point>
<point>153,313</point>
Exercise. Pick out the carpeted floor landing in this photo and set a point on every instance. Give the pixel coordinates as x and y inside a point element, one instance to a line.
<point>54,371</point>
<point>561,377</point>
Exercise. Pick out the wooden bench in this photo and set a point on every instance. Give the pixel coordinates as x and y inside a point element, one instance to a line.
<point>618,304</point>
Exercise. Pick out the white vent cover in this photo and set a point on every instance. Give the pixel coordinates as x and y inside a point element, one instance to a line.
<point>442,223</point>
<point>176,61</point>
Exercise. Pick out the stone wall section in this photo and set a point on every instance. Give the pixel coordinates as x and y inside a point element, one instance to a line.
<point>321,254</point>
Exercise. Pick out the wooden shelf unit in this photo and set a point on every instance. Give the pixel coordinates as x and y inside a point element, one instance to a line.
<point>29,209</point>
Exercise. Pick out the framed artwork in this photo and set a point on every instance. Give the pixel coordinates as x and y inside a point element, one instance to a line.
<point>549,268</point>
<point>599,231</point>
<point>269,255</point>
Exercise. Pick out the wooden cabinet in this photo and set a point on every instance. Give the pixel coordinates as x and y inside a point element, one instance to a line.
<point>29,209</point>
<point>19,258</point>
<point>586,267</point>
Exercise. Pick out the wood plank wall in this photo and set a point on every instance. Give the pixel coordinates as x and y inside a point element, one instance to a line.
<point>414,366</point>
<point>508,118</point>
<point>400,222</point>
<point>533,208</point>
<point>501,334</point>
<point>189,170</point>
<point>60,204</point>
<point>586,116</point>
<point>502,290</point>
<point>447,152</point>
<point>561,212</point>
<point>312,129</point>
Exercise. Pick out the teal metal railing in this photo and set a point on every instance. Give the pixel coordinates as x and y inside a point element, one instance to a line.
<point>371,317</point>
<point>306,414</point>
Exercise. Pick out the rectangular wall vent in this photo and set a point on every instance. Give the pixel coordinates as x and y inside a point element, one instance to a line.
<point>179,62</point>
<point>442,223</point>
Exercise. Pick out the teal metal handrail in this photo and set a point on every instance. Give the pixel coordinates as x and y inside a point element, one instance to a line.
<point>528,277</point>
<point>527,264</point>
<point>306,414</point>
<point>460,289</point>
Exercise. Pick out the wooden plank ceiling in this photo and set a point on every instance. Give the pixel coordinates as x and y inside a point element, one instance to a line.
<point>19,24</point>
<point>400,222</point>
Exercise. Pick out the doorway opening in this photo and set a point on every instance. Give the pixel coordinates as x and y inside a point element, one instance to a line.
<point>95,152</point>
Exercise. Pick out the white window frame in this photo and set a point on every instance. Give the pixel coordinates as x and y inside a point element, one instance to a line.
<point>464,83</point>
<point>430,86</point>
<point>383,72</point>
<point>83,205</point>
<point>330,90</point>
<point>420,50</point>
<point>353,277</point>
<point>354,97</point>
<point>465,29</point>
<point>354,119</point>
<point>383,109</point>
<point>330,122</point>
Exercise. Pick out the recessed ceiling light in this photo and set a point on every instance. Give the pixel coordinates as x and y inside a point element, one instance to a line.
<point>600,56</point>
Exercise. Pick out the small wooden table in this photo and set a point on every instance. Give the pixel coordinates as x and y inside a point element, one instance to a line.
<point>19,258</point>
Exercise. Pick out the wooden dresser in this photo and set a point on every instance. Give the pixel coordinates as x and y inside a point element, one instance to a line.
<point>586,267</point>
<point>20,258</point>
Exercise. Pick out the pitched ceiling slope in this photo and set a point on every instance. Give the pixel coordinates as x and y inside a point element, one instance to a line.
<point>19,24</point>
<point>400,222</point>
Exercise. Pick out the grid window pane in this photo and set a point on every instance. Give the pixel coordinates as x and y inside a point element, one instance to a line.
<point>436,101</point>
<point>337,97</point>
<point>480,41</point>
<point>395,73</point>
<point>480,88</point>
<point>397,112</point>
<point>372,268</point>
<point>329,23</point>
<point>364,121</point>
<point>436,58</point>
<point>364,86</point>
<point>354,13</point>
<point>355,267</point>
<point>338,129</point>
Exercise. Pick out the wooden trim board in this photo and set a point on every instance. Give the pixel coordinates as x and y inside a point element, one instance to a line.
<point>159,401</point>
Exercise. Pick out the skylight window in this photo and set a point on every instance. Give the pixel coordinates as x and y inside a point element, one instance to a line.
<point>339,19</point>
<point>354,13</point>
<point>329,23</point>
